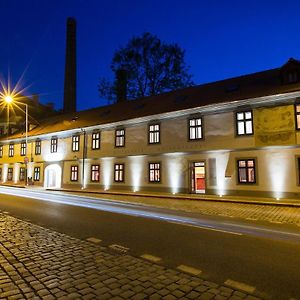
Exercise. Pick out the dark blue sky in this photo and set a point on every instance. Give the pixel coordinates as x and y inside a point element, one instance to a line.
<point>222,38</point>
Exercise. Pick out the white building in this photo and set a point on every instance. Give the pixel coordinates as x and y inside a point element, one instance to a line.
<point>233,137</point>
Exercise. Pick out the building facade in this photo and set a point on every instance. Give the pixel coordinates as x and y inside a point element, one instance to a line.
<point>233,137</point>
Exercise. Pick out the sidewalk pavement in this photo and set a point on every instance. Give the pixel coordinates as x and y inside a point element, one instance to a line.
<point>38,263</point>
<point>253,209</point>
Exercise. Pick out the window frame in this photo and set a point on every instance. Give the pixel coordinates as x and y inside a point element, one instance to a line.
<point>53,145</point>
<point>297,113</point>
<point>75,143</point>
<point>195,128</point>
<point>120,171</point>
<point>23,149</point>
<point>244,121</point>
<point>155,180</point>
<point>94,171</point>
<point>1,151</point>
<point>12,174</point>
<point>36,173</point>
<point>38,147</point>
<point>74,170</point>
<point>152,133</point>
<point>96,141</point>
<point>119,137</point>
<point>11,150</point>
<point>22,171</point>
<point>246,168</point>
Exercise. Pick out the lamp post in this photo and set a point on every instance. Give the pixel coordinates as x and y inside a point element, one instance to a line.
<point>9,99</point>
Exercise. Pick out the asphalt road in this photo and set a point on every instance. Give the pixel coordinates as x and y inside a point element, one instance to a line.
<point>264,256</point>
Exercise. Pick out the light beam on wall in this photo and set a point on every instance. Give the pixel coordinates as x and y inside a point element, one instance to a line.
<point>107,167</point>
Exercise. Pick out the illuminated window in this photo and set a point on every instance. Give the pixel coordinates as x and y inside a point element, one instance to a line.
<point>120,138</point>
<point>11,150</point>
<point>119,172</point>
<point>9,174</point>
<point>298,116</point>
<point>75,143</point>
<point>154,172</point>
<point>1,150</point>
<point>36,173</point>
<point>246,171</point>
<point>95,173</point>
<point>195,129</point>
<point>53,148</point>
<point>154,133</point>
<point>23,149</point>
<point>22,174</point>
<point>95,140</point>
<point>244,123</point>
<point>74,173</point>
<point>38,147</point>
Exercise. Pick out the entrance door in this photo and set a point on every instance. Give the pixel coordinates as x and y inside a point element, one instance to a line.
<point>198,177</point>
<point>52,176</point>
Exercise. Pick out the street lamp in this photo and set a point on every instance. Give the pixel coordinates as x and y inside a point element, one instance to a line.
<point>9,99</point>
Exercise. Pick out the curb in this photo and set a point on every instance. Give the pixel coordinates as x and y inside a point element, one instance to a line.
<point>241,201</point>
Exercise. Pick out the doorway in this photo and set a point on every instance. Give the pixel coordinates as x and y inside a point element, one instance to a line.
<point>198,177</point>
<point>52,176</point>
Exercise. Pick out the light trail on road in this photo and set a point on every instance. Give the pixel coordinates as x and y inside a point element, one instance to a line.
<point>163,214</point>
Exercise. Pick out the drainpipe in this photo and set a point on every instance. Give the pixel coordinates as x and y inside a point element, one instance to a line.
<point>83,158</point>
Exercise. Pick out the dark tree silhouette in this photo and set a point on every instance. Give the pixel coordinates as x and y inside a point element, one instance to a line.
<point>152,67</point>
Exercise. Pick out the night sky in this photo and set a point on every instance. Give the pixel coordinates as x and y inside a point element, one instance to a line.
<point>222,38</point>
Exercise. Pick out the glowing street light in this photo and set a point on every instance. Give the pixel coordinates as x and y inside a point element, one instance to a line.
<point>9,99</point>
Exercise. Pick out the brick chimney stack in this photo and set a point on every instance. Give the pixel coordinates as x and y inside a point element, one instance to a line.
<point>70,68</point>
<point>121,80</point>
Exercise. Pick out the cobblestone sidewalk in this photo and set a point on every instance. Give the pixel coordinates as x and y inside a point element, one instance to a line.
<point>37,263</point>
<point>269,213</point>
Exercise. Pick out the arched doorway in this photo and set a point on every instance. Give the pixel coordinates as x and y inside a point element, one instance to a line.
<point>52,176</point>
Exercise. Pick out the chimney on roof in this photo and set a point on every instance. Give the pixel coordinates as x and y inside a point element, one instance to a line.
<point>121,85</point>
<point>70,68</point>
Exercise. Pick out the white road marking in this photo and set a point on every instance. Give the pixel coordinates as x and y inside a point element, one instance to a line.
<point>189,270</point>
<point>207,228</point>
<point>5,212</point>
<point>240,286</point>
<point>151,258</point>
<point>94,240</point>
<point>119,248</point>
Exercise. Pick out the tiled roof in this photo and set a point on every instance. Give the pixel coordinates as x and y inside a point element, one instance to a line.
<point>239,88</point>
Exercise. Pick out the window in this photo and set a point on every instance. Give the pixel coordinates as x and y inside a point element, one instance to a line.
<point>293,76</point>
<point>0,174</point>
<point>38,147</point>
<point>95,173</point>
<point>22,174</point>
<point>119,172</point>
<point>154,134</point>
<point>53,148</point>
<point>246,171</point>
<point>9,174</point>
<point>74,173</point>
<point>154,172</point>
<point>195,129</point>
<point>244,123</point>
<point>297,116</point>
<point>36,173</point>
<point>23,149</point>
<point>95,140</point>
<point>11,150</point>
<point>120,138</point>
<point>75,142</point>
<point>1,150</point>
